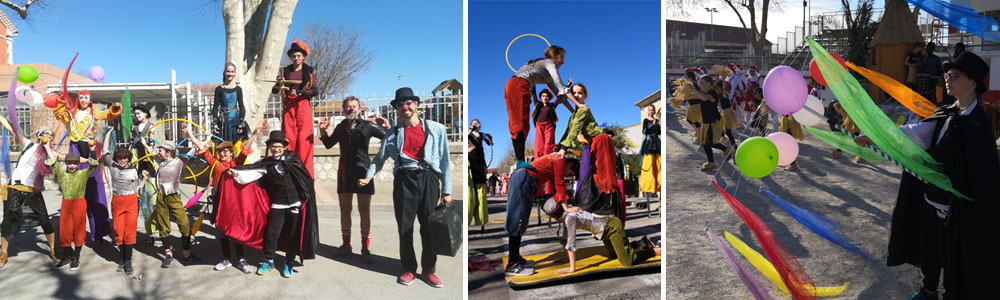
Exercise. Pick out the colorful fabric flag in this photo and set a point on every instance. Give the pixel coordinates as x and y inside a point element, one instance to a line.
<point>965,18</point>
<point>819,225</point>
<point>757,288</point>
<point>126,114</point>
<point>845,143</point>
<point>899,91</point>
<point>767,269</point>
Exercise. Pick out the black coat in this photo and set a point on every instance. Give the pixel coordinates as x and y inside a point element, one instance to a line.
<point>353,142</point>
<point>968,155</point>
<point>477,158</point>
<point>304,185</point>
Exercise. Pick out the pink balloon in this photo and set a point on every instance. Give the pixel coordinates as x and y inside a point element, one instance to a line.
<point>96,73</point>
<point>788,147</point>
<point>785,90</point>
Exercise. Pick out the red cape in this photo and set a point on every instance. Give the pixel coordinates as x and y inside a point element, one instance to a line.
<point>242,211</point>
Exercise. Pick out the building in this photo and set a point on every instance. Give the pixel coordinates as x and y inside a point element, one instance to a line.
<point>8,31</point>
<point>698,44</point>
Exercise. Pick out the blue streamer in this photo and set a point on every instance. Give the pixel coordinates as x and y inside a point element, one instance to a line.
<point>819,225</point>
<point>962,17</point>
<point>5,153</point>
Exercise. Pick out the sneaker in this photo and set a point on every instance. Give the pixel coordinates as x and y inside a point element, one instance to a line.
<point>518,269</point>
<point>121,268</point>
<point>190,259</point>
<point>923,294</point>
<point>709,166</point>
<point>286,272</point>
<point>157,242</point>
<point>265,266</point>
<point>343,250</point>
<point>63,263</point>
<point>128,268</point>
<point>405,279</point>
<point>244,266</point>
<point>527,262</point>
<point>75,264</point>
<point>433,280</point>
<point>222,265</point>
<point>167,261</point>
<point>366,255</point>
<point>3,259</point>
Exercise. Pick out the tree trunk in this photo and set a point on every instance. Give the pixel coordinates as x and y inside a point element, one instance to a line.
<point>254,40</point>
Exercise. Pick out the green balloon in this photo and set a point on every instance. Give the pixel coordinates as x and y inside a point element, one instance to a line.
<point>27,74</point>
<point>757,157</point>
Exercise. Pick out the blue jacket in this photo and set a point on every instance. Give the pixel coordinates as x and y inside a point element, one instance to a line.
<point>435,152</point>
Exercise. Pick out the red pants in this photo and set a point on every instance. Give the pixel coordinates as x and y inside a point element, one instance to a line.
<point>518,106</point>
<point>124,217</point>
<point>545,143</point>
<point>72,222</point>
<point>297,122</point>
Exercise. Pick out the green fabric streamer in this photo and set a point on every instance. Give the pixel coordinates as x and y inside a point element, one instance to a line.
<point>845,143</point>
<point>126,114</point>
<point>875,124</point>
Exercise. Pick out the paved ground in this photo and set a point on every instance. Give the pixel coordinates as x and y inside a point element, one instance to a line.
<point>541,239</point>
<point>28,274</point>
<point>859,197</point>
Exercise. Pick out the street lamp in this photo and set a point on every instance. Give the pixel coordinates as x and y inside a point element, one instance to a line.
<point>711,17</point>
<point>398,77</point>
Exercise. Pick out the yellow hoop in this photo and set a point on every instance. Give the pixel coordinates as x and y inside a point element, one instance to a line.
<point>193,175</point>
<point>505,53</point>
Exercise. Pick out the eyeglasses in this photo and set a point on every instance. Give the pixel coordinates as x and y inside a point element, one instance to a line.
<point>952,76</point>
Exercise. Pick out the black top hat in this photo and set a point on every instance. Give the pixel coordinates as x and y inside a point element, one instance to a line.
<point>973,66</point>
<point>403,94</point>
<point>545,91</point>
<point>142,108</point>
<point>277,136</point>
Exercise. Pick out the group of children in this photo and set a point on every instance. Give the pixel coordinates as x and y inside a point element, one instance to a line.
<point>543,177</point>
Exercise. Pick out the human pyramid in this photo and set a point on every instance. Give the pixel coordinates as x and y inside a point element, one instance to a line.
<point>268,205</point>
<point>597,206</point>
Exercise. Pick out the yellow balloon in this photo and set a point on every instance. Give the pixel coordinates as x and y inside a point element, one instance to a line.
<point>765,267</point>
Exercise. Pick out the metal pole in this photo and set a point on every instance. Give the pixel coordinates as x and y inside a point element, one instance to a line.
<point>173,100</point>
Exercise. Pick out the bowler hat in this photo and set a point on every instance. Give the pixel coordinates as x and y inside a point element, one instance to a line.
<point>402,95</point>
<point>973,66</point>
<point>277,136</point>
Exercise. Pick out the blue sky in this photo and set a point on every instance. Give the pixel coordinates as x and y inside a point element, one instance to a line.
<point>611,46</point>
<point>140,41</point>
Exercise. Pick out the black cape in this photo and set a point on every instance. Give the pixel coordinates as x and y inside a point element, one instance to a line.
<point>304,184</point>
<point>477,158</point>
<point>968,154</point>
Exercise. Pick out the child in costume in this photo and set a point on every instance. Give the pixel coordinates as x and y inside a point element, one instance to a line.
<point>296,111</point>
<point>518,95</point>
<point>73,211</point>
<point>147,194</point>
<point>125,185</point>
<point>729,121</point>
<point>545,119</point>
<point>712,128</point>
<point>608,229</point>
<point>168,180</point>
<point>81,120</point>
<point>225,160</point>
<point>761,113</point>
<point>25,189</point>
<point>228,106</point>
<point>682,93</point>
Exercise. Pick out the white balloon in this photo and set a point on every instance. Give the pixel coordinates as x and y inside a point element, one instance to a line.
<point>23,94</point>
<point>805,117</point>
<point>36,98</point>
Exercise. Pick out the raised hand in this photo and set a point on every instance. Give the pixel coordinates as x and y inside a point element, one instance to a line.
<point>324,123</point>
<point>382,122</point>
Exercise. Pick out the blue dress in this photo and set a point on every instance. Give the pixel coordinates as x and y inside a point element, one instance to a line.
<point>228,108</point>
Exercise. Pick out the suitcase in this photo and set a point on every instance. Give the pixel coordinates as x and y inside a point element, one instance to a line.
<point>445,225</point>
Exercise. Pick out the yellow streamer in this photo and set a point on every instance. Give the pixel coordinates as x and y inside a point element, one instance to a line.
<point>907,97</point>
<point>765,267</point>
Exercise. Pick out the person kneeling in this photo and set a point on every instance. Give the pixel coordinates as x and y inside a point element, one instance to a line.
<point>610,229</point>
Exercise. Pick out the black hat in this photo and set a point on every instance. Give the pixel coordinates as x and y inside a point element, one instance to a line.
<point>298,46</point>
<point>973,66</point>
<point>72,158</point>
<point>403,94</point>
<point>546,91</point>
<point>142,108</point>
<point>277,136</point>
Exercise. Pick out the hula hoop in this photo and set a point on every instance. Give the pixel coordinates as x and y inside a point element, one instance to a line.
<point>174,119</point>
<point>505,53</point>
<point>136,142</point>
<point>193,175</point>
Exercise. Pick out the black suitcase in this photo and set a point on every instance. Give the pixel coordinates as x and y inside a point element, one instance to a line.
<point>445,225</point>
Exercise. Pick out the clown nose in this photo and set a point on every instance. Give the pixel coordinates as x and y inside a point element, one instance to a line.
<point>406,107</point>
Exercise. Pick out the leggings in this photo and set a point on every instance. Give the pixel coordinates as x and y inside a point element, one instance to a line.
<point>227,245</point>
<point>708,151</point>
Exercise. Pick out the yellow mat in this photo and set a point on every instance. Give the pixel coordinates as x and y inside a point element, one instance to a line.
<point>532,216</point>
<point>591,260</point>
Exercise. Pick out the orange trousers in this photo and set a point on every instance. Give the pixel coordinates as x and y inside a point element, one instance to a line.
<point>124,215</point>
<point>518,97</point>
<point>297,122</point>
<point>72,222</point>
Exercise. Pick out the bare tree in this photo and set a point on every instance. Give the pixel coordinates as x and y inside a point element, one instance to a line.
<point>21,10</point>
<point>255,36</point>
<point>337,53</point>
<point>746,11</point>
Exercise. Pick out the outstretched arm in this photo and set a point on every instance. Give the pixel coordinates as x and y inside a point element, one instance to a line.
<point>194,140</point>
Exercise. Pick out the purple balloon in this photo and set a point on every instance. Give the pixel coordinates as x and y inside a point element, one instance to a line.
<point>785,90</point>
<point>97,73</point>
<point>788,147</point>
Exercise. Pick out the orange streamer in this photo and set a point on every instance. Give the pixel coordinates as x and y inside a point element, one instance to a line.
<point>910,99</point>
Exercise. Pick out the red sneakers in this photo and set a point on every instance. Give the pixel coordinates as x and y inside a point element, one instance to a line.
<point>405,279</point>
<point>433,280</point>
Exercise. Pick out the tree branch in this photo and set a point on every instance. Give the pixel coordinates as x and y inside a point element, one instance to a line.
<point>22,11</point>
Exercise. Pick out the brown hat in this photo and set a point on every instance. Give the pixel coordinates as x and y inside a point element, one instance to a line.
<point>224,145</point>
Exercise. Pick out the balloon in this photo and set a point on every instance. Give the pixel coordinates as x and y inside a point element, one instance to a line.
<point>785,90</point>
<point>23,94</point>
<point>814,68</point>
<point>36,98</point>
<point>27,74</point>
<point>788,148</point>
<point>51,100</point>
<point>757,157</point>
<point>96,73</point>
<point>809,118</point>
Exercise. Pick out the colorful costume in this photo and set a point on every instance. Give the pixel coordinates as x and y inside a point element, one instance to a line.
<point>649,178</point>
<point>545,119</point>
<point>228,110</point>
<point>225,241</point>
<point>82,129</point>
<point>72,212</point>
<point>296,113</point>
<point>517,94</point>
<point>478,212</point>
